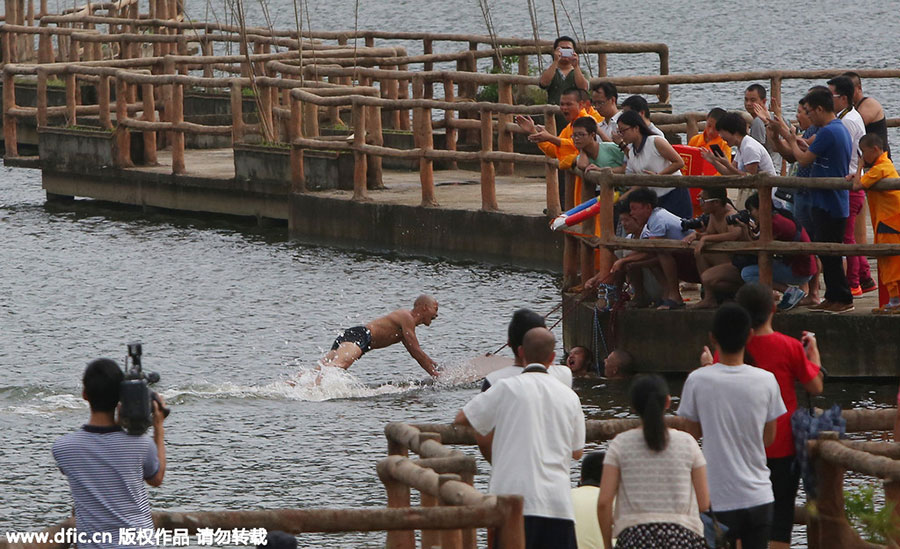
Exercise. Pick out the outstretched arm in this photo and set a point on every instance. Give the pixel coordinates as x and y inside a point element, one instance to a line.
<point>411,342</point>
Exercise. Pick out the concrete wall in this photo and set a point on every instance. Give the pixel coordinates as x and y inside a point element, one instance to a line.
<point>322,169</point>
<point>457,234</point>
<point>671,341</point>
<point>77,150</point>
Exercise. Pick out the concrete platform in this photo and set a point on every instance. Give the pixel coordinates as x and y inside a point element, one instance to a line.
<point>392,219</point>
<point>855,344</point>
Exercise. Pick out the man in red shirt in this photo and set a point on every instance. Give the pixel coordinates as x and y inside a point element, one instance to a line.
<point>790,361</point>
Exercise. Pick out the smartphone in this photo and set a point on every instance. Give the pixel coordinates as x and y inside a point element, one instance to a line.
<point>717,150</point>
<point>566,52</point>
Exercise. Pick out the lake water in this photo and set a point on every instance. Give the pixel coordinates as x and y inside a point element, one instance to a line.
<point>228,312</point>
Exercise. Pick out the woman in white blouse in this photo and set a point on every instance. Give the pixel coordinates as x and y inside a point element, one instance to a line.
<point>651,154</point>
<point>657,477</point>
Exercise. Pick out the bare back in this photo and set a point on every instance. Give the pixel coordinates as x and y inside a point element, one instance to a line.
<point>388,329</point>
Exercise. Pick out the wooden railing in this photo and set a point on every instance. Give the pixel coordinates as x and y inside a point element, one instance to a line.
<point>450,512</point>
<point>764,247</point>
<point>827,525</point>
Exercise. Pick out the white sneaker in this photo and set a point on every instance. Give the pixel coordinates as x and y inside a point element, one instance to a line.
<point>792,296</point>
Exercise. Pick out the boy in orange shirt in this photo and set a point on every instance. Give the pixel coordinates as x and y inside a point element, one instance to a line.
<point>884,207</point>
<point>710,136</point>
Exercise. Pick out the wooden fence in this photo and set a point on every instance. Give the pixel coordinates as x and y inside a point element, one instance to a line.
<point>451,509</point>
<point>764,247</point>
<point>827,526</point>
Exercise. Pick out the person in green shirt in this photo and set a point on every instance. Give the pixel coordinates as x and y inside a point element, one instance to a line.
<point>594,154</point>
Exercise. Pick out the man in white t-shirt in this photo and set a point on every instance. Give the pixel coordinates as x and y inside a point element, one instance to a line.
<point>734,408</point>
<point>842,90</point>
<point>605,99</point>
<point>538,428</point>
<point>751,158</point>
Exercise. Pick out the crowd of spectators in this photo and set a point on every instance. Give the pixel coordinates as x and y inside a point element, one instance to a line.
<point>838,133</point>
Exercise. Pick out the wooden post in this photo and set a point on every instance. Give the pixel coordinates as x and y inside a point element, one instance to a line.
<point>571,246</point>
<point>310,119</point>
<point>469,535</point>
<point>207,49</point>
<point>375,136</point>
<point>511,534</point>
<point>523,71</point>
<point>71,103</point>
<point>504,136</point>
<point>41,97</point>
<point>6,42</point>
<point>103,102</point>
<point>177,134</point>
<point>298,177</point>
<point>586,252</point>
<point>237,111</point>
<point>450,539</point>
<point>123,138</point>
<point>449,116</point>
<point>403,89</point>
<point>359,157</point>
<point>424,139</point>
<point>428,49</point>
<point>765,232</point>
<point>393,93</point>
<point>150,116</point>
<point>9,102</point>
<point>430,538</point>
<point>829,526</point>
<point>775,90</point>
<point>488,189</point>
<point>663,93</point>
<point>45,48</point>
<point>554,208</point>
<point>601,64</point>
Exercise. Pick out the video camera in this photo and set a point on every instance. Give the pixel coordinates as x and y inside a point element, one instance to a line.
<point>742,216</point>
<point>135,395</point>
<point>695,223</point>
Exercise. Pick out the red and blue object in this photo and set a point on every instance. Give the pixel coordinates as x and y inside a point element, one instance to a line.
<point>576,215</point>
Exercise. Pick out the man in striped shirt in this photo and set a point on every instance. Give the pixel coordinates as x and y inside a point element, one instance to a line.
<point>106,468</point>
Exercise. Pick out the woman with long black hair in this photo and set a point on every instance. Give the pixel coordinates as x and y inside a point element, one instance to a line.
<point>657,476</point>
<point>651,154</point>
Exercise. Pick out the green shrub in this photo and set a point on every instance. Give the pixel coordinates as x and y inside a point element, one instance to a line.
<point>876,526</point>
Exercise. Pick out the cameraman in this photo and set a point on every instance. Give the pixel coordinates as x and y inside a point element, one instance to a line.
<point>106,468</point>
<point>711,227</point>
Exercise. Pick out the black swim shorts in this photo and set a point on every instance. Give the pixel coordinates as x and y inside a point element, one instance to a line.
<point>360,335</point>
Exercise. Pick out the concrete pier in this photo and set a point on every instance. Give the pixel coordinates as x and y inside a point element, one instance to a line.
<point>391,219</point>
<point>857,344</point>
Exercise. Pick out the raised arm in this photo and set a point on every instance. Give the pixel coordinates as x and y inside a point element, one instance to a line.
<point>411,342</point>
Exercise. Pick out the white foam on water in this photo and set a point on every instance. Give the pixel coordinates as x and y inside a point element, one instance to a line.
<point>309,384</point>
<point>49,405</point>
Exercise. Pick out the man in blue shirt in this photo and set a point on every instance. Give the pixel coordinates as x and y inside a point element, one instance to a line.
<point>827,156</point>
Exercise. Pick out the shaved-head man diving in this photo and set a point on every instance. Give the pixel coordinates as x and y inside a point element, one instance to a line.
<point>398,326</point>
